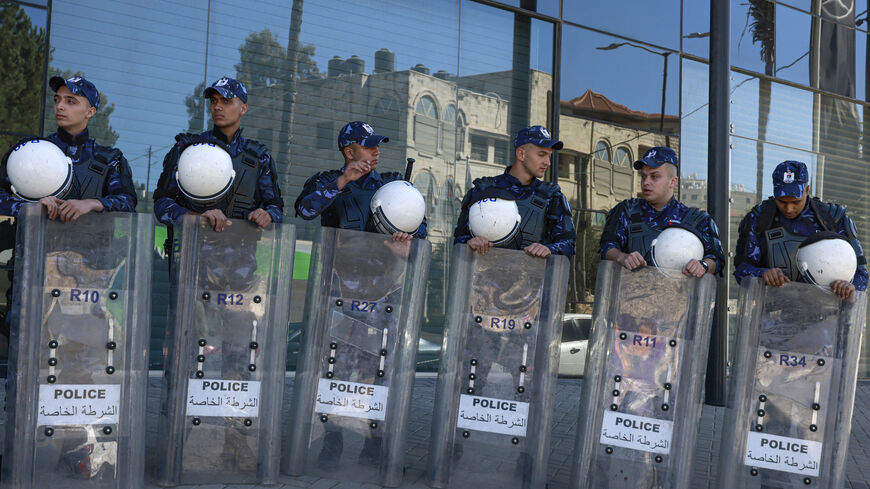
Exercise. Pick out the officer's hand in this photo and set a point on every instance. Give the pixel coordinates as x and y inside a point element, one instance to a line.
<point>51,204</point>
<point>632,260</point>
<point>538,250</point>
<point>843,289</point>
<point>479,245</point>
<point>354,171</point>
<point>260,217</point>
<point>217,219</point>
<point>70,210</point>
<point>694,269</point>
<point>400,245</point>
<point>774,277</point>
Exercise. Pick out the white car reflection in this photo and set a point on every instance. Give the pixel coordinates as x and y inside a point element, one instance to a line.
<point>575,337</point>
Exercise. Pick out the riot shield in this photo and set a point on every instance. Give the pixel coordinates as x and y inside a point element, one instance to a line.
<point>643,389</point>
<point>78,366</point>
<point>789,411</point>
<point>227,342</point>
<point>496,383</point>
<point>356,370</point>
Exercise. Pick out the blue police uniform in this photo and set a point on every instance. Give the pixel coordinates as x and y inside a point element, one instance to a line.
<point>639,213</point>
<point>558,230</point>
<point>752,245</point>
<point>170,204</point>
<point>116,193</point>
<point>768,239</point>
<point>348,208</point>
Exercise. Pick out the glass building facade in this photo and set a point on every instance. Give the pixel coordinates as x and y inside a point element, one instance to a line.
<point>450,82</point>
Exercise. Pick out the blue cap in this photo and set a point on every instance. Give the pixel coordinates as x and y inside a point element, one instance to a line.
<point>360,133</point>
<point>656,157</point>
<point>790,178</point>
<point>537,135</point>
<point>229,88</point>
<point>78,86</point>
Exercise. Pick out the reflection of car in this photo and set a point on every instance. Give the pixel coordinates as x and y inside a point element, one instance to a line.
<point>575,336</point>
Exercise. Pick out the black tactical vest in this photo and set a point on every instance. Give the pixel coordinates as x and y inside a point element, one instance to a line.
<point>782,245</point>
<point>533,211</point>
<point>247,167</point>
<point>89,176</point>
<point>641,235</point>
<point>353,207</point>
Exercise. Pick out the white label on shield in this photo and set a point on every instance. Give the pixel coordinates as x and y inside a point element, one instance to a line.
<point>226,398</point>
<point>783,453</point>
<point>77,404</point>
<point>636,432</point>
<point>352,399</point>
<point>493,415</point>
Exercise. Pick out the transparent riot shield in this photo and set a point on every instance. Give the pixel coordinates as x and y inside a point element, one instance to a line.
<point>643,389</point>
<point>78,366</point>
<point>496,383</point>
<point>353,385</point>
<point>791,396</point>
<point>227,343</point>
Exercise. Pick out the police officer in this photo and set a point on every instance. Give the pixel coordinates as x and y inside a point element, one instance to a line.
<point>342,197</point>
<point>254,194</point>
<point>546,226</point>
<point>102,180</point>
<point>772,231</point>
<point>633,224</point>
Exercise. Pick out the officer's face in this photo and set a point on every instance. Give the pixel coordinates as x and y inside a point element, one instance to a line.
<point>226,112</point>
<point>657,184</point>
<point>356,152</point>
<point>791,207</point>
<point>72,112</point>
<point>534,159</point>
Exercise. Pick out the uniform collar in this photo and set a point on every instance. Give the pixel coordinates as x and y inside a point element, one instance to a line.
<point>667,207</point>
<point>217,133</point>
<point>71,140</point>
<point>516,181</point>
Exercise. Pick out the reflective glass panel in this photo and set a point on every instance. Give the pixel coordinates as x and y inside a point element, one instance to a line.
<point>653,22</point>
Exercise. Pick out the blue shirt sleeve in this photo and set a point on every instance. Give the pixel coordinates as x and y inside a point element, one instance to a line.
<point>712,244</point>
<point>560,236</point>
<point>859,280</point>
<point>462,233</point>
<point>747,259</point>
<point>119,183</point>
<point>268,193</point>
<point>614,234</point>
<point>166,209</point>
<point>318,193</point>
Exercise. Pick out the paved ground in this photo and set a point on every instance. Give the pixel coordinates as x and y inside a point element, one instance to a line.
<point>562,441</point>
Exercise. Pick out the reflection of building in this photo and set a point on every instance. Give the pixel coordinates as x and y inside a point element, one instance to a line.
<point>457,129</point>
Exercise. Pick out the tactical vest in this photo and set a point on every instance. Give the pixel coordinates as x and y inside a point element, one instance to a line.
<point>641,235</point>
<point>89,176</point>
<point>353,207</point>
<point>247,167</point>
<point>782,245</point>
<point>533,211</point>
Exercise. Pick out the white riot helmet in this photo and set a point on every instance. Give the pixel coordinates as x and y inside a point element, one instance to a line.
<point>674,247</point>
<point>205,172</point>
<point>494,219</point>
<point>398,207</point>
<point>38,168</point>
<point>825,258</point>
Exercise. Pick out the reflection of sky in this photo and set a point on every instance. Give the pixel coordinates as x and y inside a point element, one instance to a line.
<point>147,57</point>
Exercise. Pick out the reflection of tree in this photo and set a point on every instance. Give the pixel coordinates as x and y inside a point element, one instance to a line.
<point>99,126</point>
<point>22,62</point>
<point>263,62</point>
<point>763,27</point>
